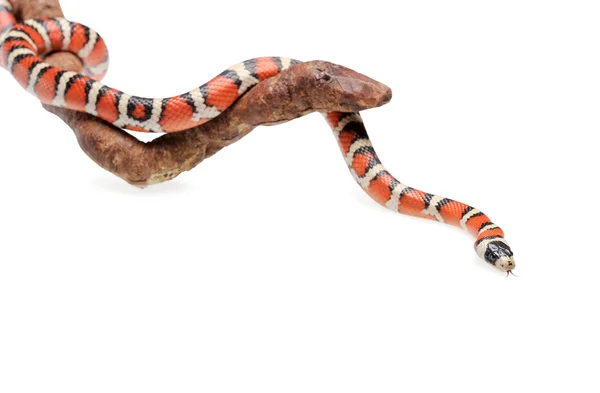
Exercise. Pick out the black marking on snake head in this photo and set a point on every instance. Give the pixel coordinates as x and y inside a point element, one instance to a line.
<point>497,250</point>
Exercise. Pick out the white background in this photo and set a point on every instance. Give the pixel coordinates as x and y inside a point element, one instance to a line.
<point>266,268</point>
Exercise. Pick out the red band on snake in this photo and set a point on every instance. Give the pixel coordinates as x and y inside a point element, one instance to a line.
<point>22,47</point>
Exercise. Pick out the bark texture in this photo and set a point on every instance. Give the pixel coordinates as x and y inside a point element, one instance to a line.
<point>315,86</point>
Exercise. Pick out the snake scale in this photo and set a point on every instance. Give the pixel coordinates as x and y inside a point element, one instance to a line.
<point>23,46</point>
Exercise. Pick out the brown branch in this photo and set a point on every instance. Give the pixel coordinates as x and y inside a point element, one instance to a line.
<point>315,86</point>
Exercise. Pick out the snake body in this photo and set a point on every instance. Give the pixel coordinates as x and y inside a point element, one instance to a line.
<point>23,45</point>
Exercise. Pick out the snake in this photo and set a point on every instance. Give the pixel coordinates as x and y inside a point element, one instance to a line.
<point>23,46</point>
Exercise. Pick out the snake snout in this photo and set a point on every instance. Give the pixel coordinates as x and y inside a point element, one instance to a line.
<point>505,263</point>
<point>499,254</point>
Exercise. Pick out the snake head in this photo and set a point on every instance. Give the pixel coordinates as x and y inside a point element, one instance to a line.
<point>500,255</point>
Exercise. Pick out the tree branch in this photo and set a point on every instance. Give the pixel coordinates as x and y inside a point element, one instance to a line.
<point>315,86</point>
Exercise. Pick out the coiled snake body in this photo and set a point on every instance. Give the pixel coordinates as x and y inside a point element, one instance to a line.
<point>23,46</point>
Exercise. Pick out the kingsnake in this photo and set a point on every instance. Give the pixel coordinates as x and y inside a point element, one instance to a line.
<point>22,46</point>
